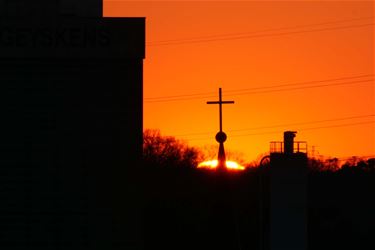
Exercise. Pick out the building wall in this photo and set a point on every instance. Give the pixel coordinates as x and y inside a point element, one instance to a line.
<point>72,135</point>
<point>288,201</point>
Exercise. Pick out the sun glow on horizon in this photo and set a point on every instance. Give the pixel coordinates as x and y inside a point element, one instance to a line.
<point>231,165</point>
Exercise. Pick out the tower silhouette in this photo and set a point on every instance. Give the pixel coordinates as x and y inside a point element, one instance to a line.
<point>288,194</point>
<point>221,137</point>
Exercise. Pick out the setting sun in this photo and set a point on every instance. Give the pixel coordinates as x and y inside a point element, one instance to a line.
<point>213,164</point>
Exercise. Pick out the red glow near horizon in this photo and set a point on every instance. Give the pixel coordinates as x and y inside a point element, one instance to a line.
<point>231,165</point>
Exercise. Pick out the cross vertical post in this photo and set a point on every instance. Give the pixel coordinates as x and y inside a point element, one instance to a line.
<point>220,102</point>
<point>220,111</point>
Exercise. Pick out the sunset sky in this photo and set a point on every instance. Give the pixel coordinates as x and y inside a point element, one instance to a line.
<point>288,65</point>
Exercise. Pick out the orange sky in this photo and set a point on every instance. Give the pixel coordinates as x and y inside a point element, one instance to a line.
<point>298,42</point>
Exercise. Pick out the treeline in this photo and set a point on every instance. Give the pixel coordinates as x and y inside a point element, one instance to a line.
<point>188,209</point>
<point>168,152</point>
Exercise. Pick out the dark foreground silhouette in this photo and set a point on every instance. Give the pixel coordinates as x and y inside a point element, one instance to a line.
<point>198,209</point>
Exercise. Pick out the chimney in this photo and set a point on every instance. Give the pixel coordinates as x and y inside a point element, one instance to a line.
<point>289,141</point>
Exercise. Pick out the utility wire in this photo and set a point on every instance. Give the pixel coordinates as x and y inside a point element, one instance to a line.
<point>302,129</point>
<point>298,83</point>
<point>264,91</point>
<point>337,126</point>
<point>285,125</point>
<point>260,88</point>
<point>306,87</point>
<point>153,43</point>
<point>262,35</point>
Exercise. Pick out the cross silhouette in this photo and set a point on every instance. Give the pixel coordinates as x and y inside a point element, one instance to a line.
<point>221,136</point>
<point>220,102</point>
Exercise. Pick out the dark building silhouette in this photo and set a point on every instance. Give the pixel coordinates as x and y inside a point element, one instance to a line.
<point>71,84</point>
<point>288,194</point>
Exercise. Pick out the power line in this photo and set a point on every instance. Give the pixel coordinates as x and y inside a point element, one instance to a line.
<point>255,32</point>
<point>311,128</point>
<point>205,94</point>
<point>306,87</point>
<point>263,35</point>
<point>303,129</point>
<point>288,124</point>
<point>338,126</point>
<point>265,91</point>
<point>299,83</point>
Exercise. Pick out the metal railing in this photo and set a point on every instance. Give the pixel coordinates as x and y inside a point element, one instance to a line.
<point>298,147</point>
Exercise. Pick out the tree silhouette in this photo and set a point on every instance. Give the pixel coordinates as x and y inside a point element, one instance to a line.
<point>358,164</point>
<point>167,151</point>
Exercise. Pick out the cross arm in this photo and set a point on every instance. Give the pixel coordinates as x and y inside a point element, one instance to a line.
<point>215,102</point>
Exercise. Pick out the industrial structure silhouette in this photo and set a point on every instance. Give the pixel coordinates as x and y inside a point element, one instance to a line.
<point>288,194</point>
